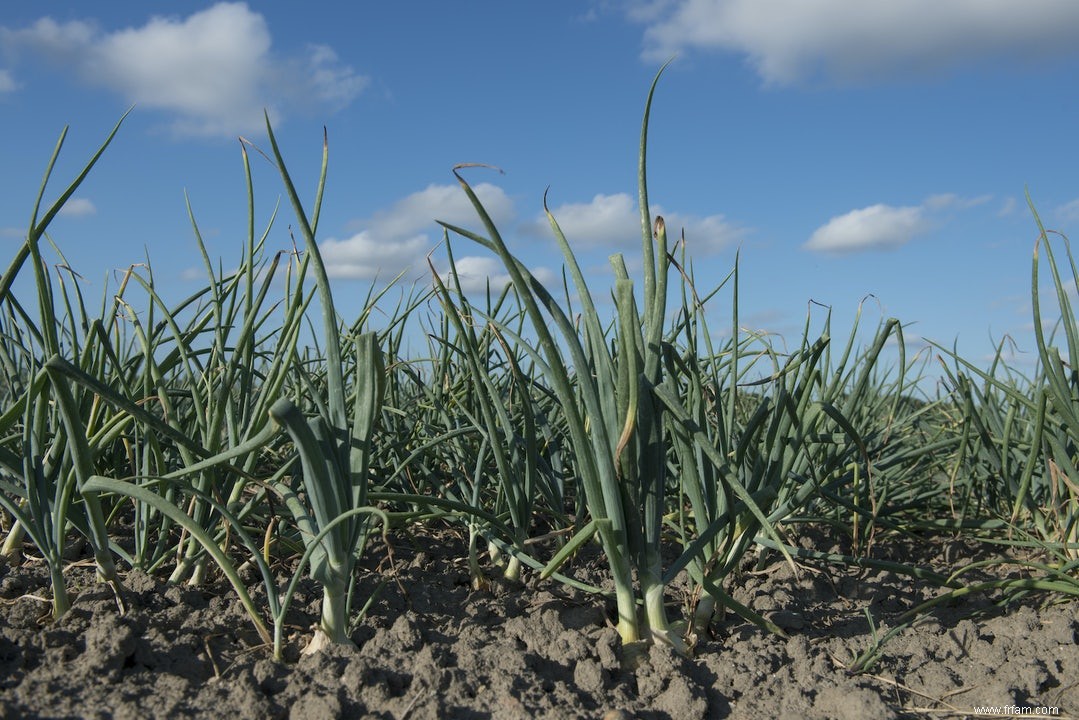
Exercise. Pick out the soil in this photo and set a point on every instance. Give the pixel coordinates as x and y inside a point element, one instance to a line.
<point>431,647</point>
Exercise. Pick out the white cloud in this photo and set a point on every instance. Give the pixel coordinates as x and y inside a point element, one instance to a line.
<point>78,207</point>
<point>874,227</point>
<point>646,11</point>
<point>615,221</point>
<point>475,273</point>
<point>882,226</point>
<point>608,220</point>
<point>942,201</point>
<point>335,84</point>
<point>448,203</point>
<point>946,201</point>
<point>400,238</point>
<point>7,81</point>
<point>709,234</point>
<point>49,39</point>
<point>792,40</point>
<point>1069,211</point>
<point>365,255</point>
<point>213,70</point>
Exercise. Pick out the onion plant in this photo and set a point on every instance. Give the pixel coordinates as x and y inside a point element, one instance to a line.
<point>46,459</point>
<point>1053,501</point>
<point>206,434</point>
<point>160,393</point>
<point>1017,437</point>
<point>605,384</point>
<point>211,369</point>
<point>335,446</point>
<point>812,428</point>
<point>725,437</point>
<point>505,412</point>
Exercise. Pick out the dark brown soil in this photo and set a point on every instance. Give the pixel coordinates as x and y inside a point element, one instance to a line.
<point>430,647</point>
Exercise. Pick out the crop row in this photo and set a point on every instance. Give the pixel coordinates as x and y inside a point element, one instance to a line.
<point>248,425</point>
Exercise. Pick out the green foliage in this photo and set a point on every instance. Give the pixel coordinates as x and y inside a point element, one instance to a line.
<point>205,437</point>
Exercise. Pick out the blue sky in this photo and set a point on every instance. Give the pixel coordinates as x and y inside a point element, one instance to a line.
<point>844,148</point>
